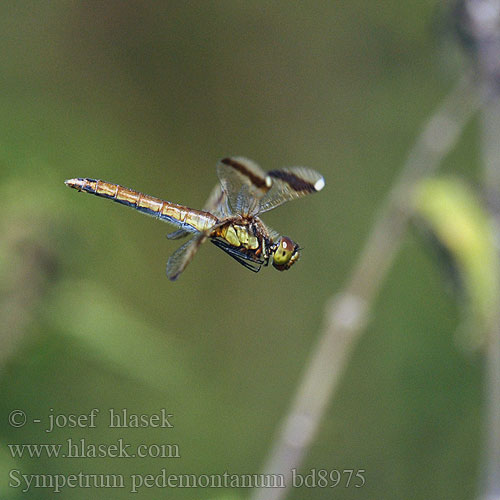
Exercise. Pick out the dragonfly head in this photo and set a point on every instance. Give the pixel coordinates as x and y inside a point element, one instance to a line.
<point>285,254</point>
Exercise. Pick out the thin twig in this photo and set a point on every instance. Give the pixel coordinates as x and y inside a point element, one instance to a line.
<point>490,134</point>
<point>492,421</point>
<point>484,18</point>
<point>347,312</point>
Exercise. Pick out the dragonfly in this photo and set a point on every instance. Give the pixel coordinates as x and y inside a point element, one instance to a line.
<point>230,218</point>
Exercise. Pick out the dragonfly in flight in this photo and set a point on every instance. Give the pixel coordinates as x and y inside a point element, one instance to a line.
<point>230,218</point>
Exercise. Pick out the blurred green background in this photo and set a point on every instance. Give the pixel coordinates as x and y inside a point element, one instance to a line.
<point>150,95</point>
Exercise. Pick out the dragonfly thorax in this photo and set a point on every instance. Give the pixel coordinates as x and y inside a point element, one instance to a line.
<point>250,239</point>
<point>241,234</point>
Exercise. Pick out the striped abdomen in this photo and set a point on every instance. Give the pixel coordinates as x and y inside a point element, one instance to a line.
<point>184,217</point>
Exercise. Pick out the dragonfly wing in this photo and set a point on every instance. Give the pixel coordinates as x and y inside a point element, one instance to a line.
<point>290,183</point>
<point>183,256</point>
<point>244,183</point>
<point>217,203</point>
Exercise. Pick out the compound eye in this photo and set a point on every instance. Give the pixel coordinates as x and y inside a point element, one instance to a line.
<point>284,251</point>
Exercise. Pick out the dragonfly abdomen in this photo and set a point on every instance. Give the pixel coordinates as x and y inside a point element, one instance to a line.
<point>187,218</point>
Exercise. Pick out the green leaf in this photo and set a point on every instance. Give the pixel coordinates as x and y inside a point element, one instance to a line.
<point>460,223</point>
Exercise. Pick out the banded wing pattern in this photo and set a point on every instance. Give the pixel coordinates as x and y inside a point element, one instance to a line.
<point>289,184</point>
<point>242,179</point>
<point>244,184</point>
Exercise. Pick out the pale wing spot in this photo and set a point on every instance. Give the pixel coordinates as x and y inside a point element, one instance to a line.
<point>319,184</point>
